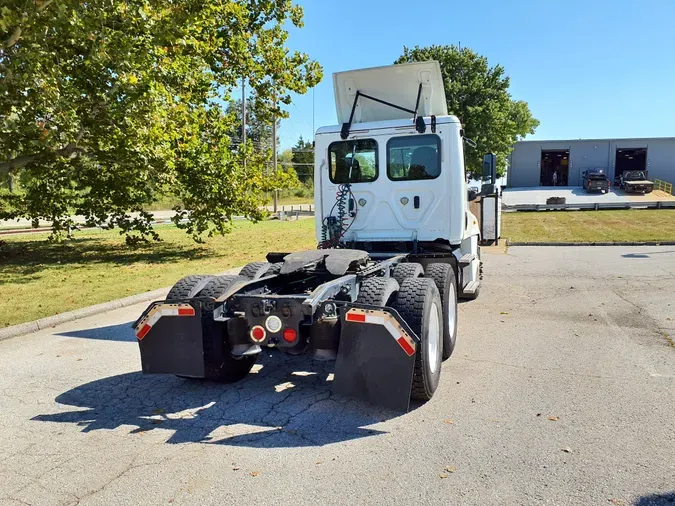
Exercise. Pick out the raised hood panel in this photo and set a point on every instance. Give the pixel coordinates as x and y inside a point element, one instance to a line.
<point>397,84</point>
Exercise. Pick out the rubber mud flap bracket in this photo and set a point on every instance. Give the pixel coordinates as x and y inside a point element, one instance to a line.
<point>376,357</point>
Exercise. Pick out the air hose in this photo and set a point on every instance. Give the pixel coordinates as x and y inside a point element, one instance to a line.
<point>333,228</point>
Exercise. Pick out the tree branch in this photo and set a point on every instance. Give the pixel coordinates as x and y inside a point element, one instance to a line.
<point>16,35</point>
<point>70,151</point>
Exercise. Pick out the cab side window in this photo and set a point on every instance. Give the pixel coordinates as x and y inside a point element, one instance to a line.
<point>414,157</point>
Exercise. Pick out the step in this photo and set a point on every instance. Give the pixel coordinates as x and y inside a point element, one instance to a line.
<point>465,260</point>
<point>471,288</point>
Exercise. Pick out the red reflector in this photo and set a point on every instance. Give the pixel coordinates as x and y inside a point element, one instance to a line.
<point>141,333</point>
<point>406,346</point>
<point>257,333</point>
<point>186,311</point>
<point>290,335</point>
<point>356,317</point>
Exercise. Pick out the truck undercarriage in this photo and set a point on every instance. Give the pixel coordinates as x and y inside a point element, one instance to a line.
<point>368,315</point>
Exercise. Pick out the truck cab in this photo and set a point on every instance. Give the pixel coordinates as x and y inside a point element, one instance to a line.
<point>390,178</point>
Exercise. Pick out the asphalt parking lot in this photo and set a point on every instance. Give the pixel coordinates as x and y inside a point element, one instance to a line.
<point>561,391</point>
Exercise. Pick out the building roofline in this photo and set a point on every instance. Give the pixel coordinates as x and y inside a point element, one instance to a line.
<point>606,139</point>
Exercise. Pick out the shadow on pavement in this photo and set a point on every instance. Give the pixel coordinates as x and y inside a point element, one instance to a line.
<point>285,403</point>
<point>645,254</point>
<point>656,500</point>
<point>120,332</point>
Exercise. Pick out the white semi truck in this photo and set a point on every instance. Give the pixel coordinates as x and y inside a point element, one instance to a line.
<point>397,246</point>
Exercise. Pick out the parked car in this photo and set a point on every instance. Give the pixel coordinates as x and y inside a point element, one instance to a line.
<point>595,180</point>
<point>635,181</point>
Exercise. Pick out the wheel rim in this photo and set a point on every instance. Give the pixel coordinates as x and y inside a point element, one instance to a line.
<point>434,341</point>
<point>452,304</point>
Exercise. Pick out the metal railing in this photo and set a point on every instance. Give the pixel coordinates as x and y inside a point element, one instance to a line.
<point>596,206</point>
<point>664,186</point>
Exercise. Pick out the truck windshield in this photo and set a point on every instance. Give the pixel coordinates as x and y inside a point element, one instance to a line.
<point>364,168</point>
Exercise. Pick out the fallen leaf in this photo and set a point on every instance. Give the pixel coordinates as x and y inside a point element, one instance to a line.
<point>442,475</point>
<point>538,414</point>
<point>319,462</point>
<point>450,469</point>
<point>236,468</point>
<point>449,421</point>
<point>553,418</point>
<point>504,312</point>
<point>566,450</point>
<point>79,359</point>
<point>255,473</point>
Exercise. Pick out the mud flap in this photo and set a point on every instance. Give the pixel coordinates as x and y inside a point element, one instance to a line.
<point>376,357</point>
<point>170,339</point>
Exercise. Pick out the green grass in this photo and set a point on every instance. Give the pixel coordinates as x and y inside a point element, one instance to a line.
<point>590,226</point>
<point>293,200</point>
<point>38,278</point>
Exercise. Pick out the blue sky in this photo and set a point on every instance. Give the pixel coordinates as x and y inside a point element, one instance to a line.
<point>589,69</point>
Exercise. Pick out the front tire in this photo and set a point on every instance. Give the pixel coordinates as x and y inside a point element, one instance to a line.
<point>419,304</point>
<point>443,275</point>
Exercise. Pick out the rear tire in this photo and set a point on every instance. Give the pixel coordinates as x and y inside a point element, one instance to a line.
<point>443,275</point>
<point>407,270</point>
<point>189,286</point>
<point>419,304</point>
<point>219,364</point>
<point>255,270</point>
<point>274,269</point>
<point>377,291</point>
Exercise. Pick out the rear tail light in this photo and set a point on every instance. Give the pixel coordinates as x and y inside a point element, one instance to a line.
<point>290,335</point>
<point>258,334</point>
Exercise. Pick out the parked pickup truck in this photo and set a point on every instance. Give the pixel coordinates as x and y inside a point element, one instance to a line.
<point>635,181</point>
<point>596,180</point>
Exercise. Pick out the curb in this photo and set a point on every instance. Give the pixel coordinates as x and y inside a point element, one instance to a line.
<point>69,316</point>
<point>648,243</point>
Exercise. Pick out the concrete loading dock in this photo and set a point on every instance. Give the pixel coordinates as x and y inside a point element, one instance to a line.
<point>532,163</point>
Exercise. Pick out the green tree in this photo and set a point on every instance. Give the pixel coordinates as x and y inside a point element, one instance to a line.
<point>303,154</point>
<point>107,106</point>
<point>258,124</point>
<point>478,95</point>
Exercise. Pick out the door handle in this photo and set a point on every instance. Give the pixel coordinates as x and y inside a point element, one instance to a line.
<point>416,202</point>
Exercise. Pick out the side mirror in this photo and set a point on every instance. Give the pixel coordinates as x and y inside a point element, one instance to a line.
<point>490,168</point>
<point>489,173</point>
<point>473,195</point>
